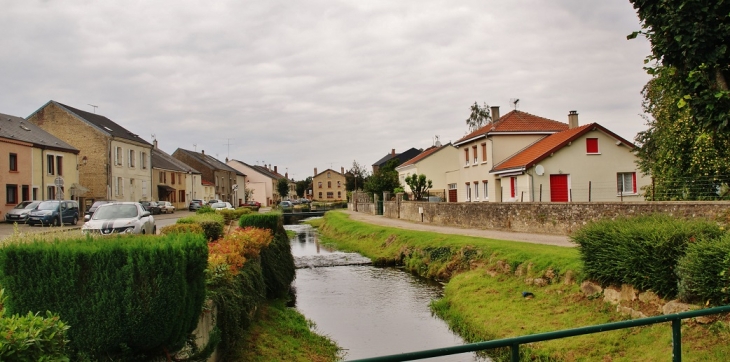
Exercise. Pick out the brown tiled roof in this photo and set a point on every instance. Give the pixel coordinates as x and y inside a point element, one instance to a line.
<point>518,121</point>
<point>546,146</point>
<point>427,152</point>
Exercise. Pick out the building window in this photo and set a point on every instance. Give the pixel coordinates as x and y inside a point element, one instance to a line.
<point>339,194</point>
<point>172,177</point>
<point>143,160</point>
<point>59,165</point>
<point>626,182</point>
<point>474,151</point>
<point>476,190</point>
<point>339,184</point>
<point>144,188</point>
<point>319,185</point>
<point>26,192</point>
<point>160,174</point>
<point>484,152</point>
<point>118,157</point>
<point>452,186</point>
<point>51,190</point>
<point>50,165</point>
<point>35,193</point>
<point>468,192</point>
<point>329,184</point>
<point>181,196</point>
<point>14,162</point>
<point>485,184</point>
<point>118,187</point>
<point>320,195</point>
<point>592,145</point>
<point>131,158</point>
<point>328,175</point>
<point>330,195</point>
<point>11,192</point>
<point>466,156</point>
<point>178,179</point>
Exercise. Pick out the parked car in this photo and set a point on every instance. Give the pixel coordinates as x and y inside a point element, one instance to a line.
<point>252,203</point>
<point>195,204</point>
<point>95,206</point>
<point>120,218</point>
<point>222,206</point>
<point>286,205</point>
<point>213,201</point>
<point>151,206</point>
<point>49,213</point>
<point>166,207</point>
<point>21,211</point>
<point>295,201</point>
<point>304,201</point>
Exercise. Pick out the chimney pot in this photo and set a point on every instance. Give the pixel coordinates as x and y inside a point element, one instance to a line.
<point>495,113</point>
<point>226,159</point>
<point>315,171</point>
<point>573,119</point>
<point>392,152</point>
<point>342,170</point>
<point>202,151</point>
<point>275,170</point>
<point>154,144</point>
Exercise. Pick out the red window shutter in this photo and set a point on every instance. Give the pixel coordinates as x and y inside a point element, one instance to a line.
<point>591,145</point>
<point>513,184</point>
<point>633,180</point>
<point>466,153</point>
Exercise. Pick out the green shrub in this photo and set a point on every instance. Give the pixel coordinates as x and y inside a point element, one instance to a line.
<point>182,228</point>
<point>704,272</point>
<point>277,260</point>
<point>230,215</point>
<point>212,224</point>
<point>641,251</point>
<point>32,337</point>
<point>206,209</point>
<point>269,220</point>
<point>134,295</point>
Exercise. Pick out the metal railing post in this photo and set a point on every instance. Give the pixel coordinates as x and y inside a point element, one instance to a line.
<point>515,352</point>
<point>677,340</point>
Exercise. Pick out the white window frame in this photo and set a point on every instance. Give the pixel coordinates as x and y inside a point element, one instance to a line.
<point>621,177</point>
<point>131,158</point>
<point>468,192</point>
<point>476,190</point>
<point>486,189</point>
<point>118,156</point>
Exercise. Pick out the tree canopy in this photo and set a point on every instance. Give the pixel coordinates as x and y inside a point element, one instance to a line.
<point>479,117</point>
<point>355,177</point>
<point>385,179</point>
<point>689,38</point>
<point>282,187</point>
<point>303,185</point>
<point>419,185</point>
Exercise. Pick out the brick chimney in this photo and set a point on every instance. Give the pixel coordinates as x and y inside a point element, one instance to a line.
<point>202,151</point>
<point>573,119</point>
<point>286,175</point>
<point>342,170</point>
<point>154,144</point>
<point>495,113</point>
<point>275,170</point>
<point>315,171</point>
<point>226,159</point>
<point>392,152</point>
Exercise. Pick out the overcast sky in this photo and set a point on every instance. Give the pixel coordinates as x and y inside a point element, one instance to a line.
<point>320,83</point>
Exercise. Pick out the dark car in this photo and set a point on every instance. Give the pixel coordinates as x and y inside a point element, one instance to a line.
<point>95,206</point>
<point>195,204</point>
<point>49,213</point>
<point>152,207</point>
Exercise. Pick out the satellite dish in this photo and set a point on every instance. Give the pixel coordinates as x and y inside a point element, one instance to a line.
<point>539,170</point>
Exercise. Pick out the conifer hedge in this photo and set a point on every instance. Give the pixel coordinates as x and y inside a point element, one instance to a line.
<point>277,261</point>
<point>211,223</point>
<point>642,251</point>
<point>132,294</point>
<point>704,272</point>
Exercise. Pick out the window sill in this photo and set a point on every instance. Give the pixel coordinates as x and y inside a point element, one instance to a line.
<point>14,171</point>
<point>631,194</point>
<point>484,162</point>
<point>589,154</point>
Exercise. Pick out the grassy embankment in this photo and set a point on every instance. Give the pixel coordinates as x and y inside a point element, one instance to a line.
<point>483,298</point>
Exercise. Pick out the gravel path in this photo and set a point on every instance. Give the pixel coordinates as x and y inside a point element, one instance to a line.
<point>557,240</point>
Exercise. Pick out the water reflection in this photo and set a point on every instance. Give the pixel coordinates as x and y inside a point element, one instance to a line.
<point>369,311</point>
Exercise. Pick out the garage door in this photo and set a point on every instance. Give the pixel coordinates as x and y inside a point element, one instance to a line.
<point>559,188</point>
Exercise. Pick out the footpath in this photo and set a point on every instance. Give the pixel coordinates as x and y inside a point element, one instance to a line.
<point>557,240</point>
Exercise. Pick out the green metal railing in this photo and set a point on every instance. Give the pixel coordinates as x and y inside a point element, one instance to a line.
<point>515,342</point>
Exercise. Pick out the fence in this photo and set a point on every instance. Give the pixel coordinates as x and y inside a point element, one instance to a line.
<point>430,196</point>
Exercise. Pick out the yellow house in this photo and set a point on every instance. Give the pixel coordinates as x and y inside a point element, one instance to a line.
<point>434,162</point>
<point>328,185</point>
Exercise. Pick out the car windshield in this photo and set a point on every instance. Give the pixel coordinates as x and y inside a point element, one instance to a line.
<point>27,205</point>
<point>99,203</point>
<point>218,205</point>
<point>48,205</point>
<point>115,212</point>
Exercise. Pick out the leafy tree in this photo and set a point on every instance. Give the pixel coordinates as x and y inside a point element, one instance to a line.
<point>247,193</point>
<point>303,185</point>
<point>689,40</point>
<point>282,187</point>
<point>355,177</point>
<point>479,117</point>
<point>686,161</point>
<point>385,179</point>
<point>419,185</point>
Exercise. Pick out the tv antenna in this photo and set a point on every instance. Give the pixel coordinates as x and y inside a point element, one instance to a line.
<point>95,107</point>
<point>195,147</point>
<point>153,136</point>
<point>229,147</point>
<point>514,102</point>
<point>437,142</point>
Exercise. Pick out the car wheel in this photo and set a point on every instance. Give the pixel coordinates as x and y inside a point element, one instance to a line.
<point>75,220</point>
<point>144,231</point>
<point>154,230</point>
<point>57,221</point>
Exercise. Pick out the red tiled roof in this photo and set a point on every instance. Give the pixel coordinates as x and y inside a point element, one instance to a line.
<point>429,151</point>
<point>207,183</point>
<point>546,146</point>
<point>518,121</point>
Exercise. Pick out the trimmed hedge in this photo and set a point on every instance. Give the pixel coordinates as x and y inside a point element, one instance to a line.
<point>277,260</point>
<point>212,224</point>
<point>642,251</point>
<point>182,228</point>
<point>230,215</point>
<point>704,272</point>
<point>124,295</point>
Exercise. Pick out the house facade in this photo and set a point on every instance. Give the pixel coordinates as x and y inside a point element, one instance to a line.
<point>217,173</point>
<point>261,182</point>
<point>479,151</point>
<point>173,180</point>
<point>115,163</point>
<point>435,162</point>
<point>581,164</point>
<point>328,185</point>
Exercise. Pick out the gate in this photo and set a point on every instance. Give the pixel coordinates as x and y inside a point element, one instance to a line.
<point>379,207</point>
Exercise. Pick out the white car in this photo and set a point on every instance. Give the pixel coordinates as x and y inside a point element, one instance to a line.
<point>120,218</point>
<point>166,207</point>
<point>222,206</point>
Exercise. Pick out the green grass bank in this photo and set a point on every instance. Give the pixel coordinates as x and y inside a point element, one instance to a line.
<point>483,295</point>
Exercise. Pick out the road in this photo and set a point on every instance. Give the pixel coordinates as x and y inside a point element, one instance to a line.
<point>160,221</point>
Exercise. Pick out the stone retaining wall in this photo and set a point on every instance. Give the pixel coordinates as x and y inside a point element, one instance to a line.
<point>545,218</point>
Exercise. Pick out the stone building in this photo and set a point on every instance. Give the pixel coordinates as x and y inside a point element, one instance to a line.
<point>174,180</point>
<point>217,173</point>
<point>115,163</point>
<point>329,185</point>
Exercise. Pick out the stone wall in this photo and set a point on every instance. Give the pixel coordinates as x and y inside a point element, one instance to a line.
<point>544,218</point>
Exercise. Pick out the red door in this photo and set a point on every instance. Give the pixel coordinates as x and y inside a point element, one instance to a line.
<point>559,188</point>
<point>452,195</point>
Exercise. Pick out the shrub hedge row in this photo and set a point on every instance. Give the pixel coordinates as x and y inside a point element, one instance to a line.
<point>211,223</point>
<point>33,337</point>
<point>277,261</point>
<point>181,229</point>
<point>704,272</point>
<point>642,251</point>
<point>230,215</point>
<point>125,295</point>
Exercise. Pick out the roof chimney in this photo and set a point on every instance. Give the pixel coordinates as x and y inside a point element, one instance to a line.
<point>202,151</point>
<point>226,159</point>
<point>315,171</point>
<point>275,170</point>
<point>154,144</point>
<point>392,152</point>
<point>573,119</point>
<point>495,113</point>
<point>342,170</point>
<point>286,175</point>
